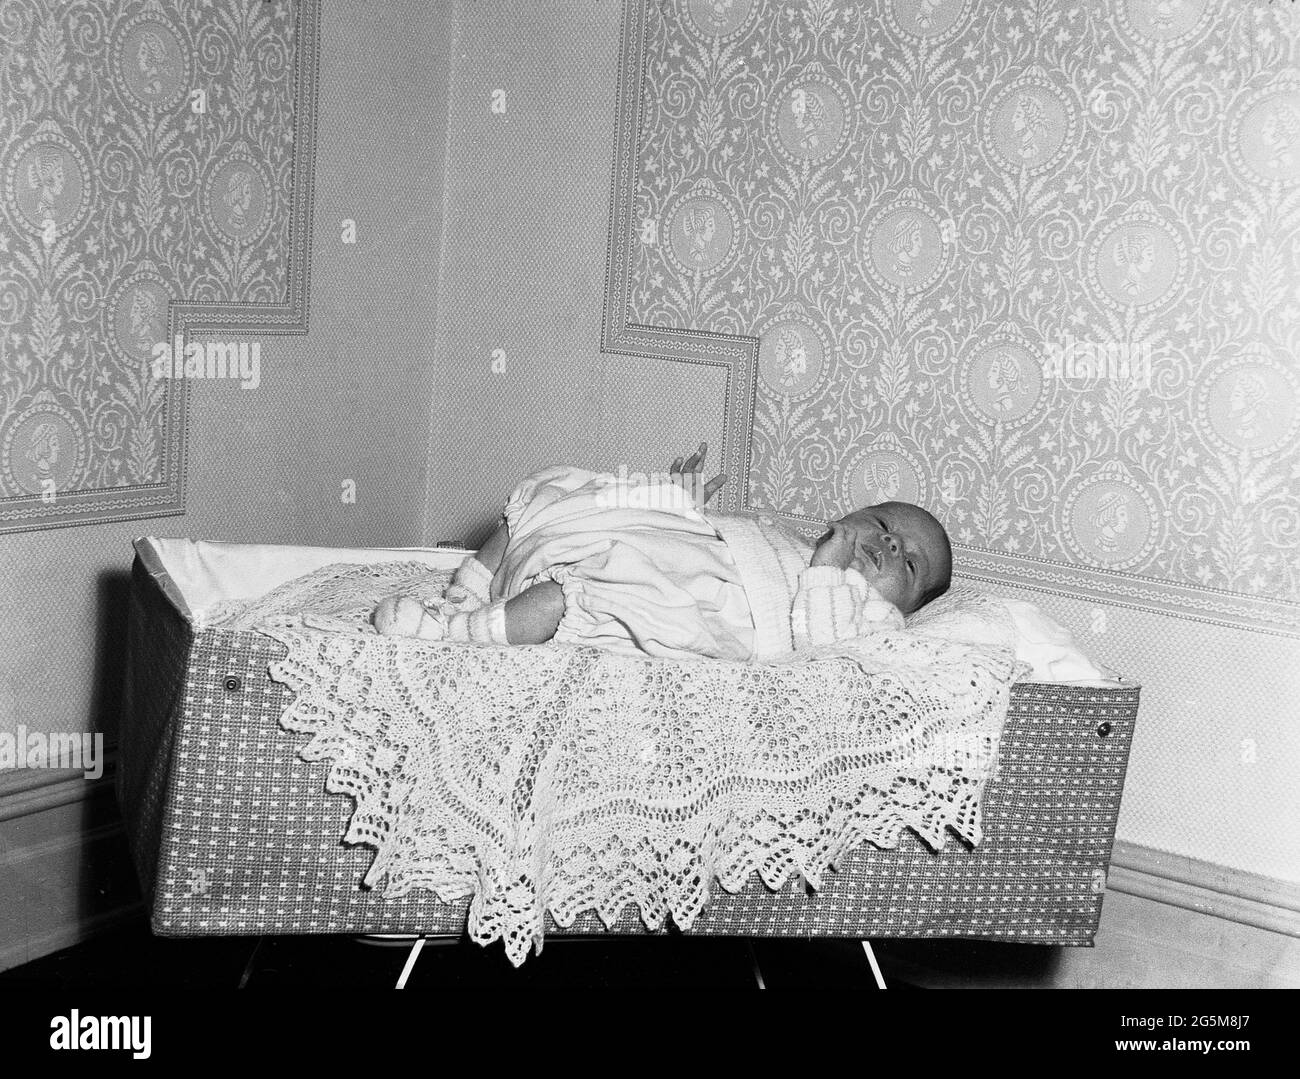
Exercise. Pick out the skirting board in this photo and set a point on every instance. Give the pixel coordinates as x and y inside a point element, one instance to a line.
<point>65,874</point>
<point>65,871</point>
<point>1141,944</point>
<point>1230,894</point>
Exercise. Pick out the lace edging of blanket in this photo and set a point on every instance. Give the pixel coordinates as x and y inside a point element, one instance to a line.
<point>562,780</point>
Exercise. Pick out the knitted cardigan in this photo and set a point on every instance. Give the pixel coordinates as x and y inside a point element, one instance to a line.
<point>795,605</point>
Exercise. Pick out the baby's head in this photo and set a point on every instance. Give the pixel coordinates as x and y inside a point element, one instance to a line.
<point>899,548</point>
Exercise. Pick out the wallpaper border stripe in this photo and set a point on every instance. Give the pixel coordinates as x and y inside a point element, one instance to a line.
<point>25,513</point>
<point>737,355</point>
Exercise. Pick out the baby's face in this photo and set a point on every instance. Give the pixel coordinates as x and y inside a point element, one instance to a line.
<point>899,548</point>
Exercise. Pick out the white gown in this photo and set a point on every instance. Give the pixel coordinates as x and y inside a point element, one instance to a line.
<point>643,571</point>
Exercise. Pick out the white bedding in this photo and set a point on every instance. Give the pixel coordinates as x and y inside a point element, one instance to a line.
<point>202,576</point>
<point>207,575</point>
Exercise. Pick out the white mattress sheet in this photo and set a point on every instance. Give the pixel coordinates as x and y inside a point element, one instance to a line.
<point>203,573</point>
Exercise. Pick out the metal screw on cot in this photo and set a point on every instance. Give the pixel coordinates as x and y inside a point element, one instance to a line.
<point>232,683</point>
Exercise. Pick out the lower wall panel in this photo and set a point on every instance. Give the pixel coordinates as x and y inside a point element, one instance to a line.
<point>65,870</point>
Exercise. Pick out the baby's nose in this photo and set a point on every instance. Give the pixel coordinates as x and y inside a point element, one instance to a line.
<point>891,544</point>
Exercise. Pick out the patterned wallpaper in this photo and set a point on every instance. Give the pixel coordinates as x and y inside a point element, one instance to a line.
<point>1036,266</point>
<point>154,182</point>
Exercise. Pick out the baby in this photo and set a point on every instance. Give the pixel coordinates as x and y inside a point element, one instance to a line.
<point>636,566</point>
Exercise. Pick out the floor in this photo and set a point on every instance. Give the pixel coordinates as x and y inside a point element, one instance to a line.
<point>132,957</point>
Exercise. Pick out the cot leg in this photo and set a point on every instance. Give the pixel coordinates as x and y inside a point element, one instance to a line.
<point>418,947</point>
<point>875,967</point>
<point>248,967</point>
<point>753,960</point>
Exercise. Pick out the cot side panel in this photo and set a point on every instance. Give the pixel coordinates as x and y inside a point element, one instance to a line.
<point>255,841</point>
<point>1038,876</point>
<point>157,655</point>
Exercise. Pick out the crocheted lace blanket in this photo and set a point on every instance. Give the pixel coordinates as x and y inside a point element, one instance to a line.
<point>562,779</point>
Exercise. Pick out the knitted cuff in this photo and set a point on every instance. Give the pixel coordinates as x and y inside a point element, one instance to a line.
<point>833,604</point>
<point>483,625</point>
<point>822,612</point>
<point>823,576</point>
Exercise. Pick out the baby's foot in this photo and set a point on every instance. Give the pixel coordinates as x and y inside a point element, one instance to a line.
<point>403,616</point>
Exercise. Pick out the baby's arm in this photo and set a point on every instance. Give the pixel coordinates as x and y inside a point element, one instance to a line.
<point>834,604</point>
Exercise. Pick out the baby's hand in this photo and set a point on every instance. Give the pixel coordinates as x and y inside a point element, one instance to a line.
<point>686,474</point>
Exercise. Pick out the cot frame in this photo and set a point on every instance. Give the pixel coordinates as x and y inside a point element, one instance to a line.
<point>206,771</point>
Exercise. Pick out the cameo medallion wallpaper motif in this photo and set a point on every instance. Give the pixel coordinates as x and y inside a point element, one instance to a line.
<point>1036,266</point>
<point>155,173</point>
